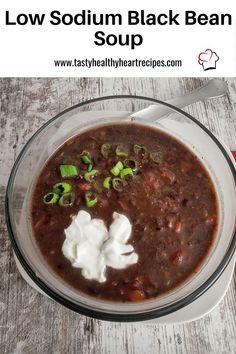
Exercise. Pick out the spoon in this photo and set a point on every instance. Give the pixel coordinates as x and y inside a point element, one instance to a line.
<point>213,88</point>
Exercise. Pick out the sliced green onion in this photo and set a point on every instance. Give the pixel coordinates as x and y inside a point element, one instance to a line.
<point>66,200</point>
<point>120,165</point>
<point>140,150</point>
<point>85,157</point>
<point>117,184</point>
<point>117,168</point>
<point>132,164</point>
<point>61,188</point>
<point>90,199</point>
<point>90,167</point>
<point>126,172</point>
<point>122,151</point>
<point>89,176</point>
<point>157,156</point>
<point>107,182</point>
<point>50,198</point>
<point>68,171</point>
<point>115,171</point>
<point>105,150</point>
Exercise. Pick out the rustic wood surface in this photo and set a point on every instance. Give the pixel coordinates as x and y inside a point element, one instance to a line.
<point>32,323</point>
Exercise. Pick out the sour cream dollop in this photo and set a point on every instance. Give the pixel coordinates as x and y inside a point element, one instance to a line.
<point>89,245</point>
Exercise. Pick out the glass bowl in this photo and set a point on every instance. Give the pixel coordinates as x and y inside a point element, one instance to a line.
<point>108,110</point>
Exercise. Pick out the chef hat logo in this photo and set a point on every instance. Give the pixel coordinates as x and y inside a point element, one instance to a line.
<point>208,59</point>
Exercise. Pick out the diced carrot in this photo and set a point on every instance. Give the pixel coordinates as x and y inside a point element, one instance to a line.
<point>136,295</point>
<point>85,187</point>
<point>177,226</point>
<point>177,258</point>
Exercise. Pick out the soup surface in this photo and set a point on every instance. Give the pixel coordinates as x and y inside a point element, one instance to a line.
<point>165,192</point>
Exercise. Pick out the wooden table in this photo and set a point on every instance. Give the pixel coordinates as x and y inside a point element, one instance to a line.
<point>32,323</point>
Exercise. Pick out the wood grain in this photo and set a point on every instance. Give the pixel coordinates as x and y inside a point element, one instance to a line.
<point>32,323</point>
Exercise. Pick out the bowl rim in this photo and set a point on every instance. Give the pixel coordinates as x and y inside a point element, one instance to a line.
<point>98,314</point>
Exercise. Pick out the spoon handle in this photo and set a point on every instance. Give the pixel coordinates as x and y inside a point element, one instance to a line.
<point>213,88</point>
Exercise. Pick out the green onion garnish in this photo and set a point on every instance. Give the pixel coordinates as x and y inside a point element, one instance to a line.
<point>90,167</point>
<point>126,172</point>
<point>117,184</point>
<point>50,198</point>
<point>140,150</point>
<point>66,200</point>
<point>89,176</point>
<point>157,156</point>
<point>68,171</point>
<point>107,182</point>
<point>85,157</point>
<point>117,168</point>
<point>105,150</point>
<point>122,151</point>
<point>132,164</point>
<point>90,199</point>
<point>61,188</point>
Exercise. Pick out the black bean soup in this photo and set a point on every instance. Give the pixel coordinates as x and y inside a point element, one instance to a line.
<point>145,174</point>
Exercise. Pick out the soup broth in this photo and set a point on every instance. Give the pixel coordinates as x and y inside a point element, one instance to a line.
<point>164,191</point>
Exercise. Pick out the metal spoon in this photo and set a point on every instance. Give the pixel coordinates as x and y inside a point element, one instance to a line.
<point>213,88</point>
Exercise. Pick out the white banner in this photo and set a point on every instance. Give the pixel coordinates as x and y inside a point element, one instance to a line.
<point>104,38</point>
